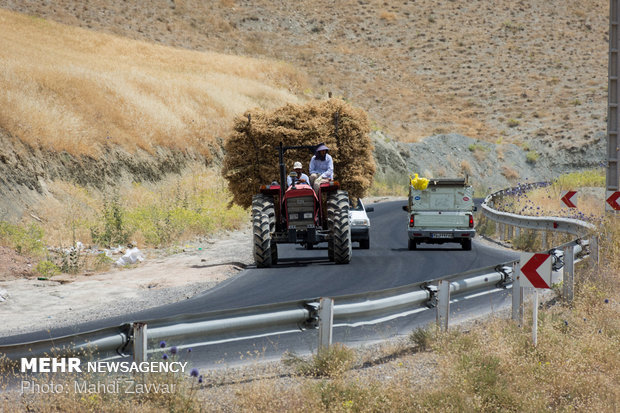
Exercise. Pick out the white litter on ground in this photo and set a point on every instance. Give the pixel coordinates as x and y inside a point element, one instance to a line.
<point>132,256</point>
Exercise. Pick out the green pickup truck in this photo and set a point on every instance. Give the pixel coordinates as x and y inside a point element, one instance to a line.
<point>443,212</point>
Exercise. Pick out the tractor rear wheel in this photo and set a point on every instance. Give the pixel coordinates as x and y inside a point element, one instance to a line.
<point>274,253</point>
<point>338,220</point>
<point>263,225</point>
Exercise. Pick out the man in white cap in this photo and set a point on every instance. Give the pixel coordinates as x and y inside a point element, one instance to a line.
<point>321,167</point>
<point>301,176</point>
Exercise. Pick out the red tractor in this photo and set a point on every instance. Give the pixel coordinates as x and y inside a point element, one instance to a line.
<point>298,215</point>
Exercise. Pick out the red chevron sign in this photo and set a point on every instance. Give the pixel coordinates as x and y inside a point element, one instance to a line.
<point>567,198</point>
<point>535,270</point>
<point>612,200</point>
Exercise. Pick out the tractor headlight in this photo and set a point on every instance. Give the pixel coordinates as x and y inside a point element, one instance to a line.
<point>361,222</point>
<point>308,215</point>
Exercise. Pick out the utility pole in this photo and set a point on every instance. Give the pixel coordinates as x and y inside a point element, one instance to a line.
<point>613,112</point>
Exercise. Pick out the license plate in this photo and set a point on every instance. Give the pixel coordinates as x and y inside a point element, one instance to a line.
<point>441,235</point>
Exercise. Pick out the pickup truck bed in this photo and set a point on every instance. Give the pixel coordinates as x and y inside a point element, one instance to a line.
<point>443,212</point>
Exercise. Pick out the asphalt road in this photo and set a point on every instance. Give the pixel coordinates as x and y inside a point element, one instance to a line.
<point>304,274</point>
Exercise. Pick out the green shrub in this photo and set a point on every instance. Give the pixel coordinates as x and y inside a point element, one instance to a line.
<point>71,261</point>
<point>592,177</point>
<point>111,228</point>
<point>422,338</point>
<point>166,221</point>
<point>513,123</point>
<point>532,157</point>
<point>25,239</point>
<point>47,269</point>
<point>478,147</point>
<point>330,362</point>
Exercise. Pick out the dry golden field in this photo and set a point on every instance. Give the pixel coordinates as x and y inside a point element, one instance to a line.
<point>70,89</point>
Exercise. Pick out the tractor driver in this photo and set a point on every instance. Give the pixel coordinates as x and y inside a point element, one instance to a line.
<point>301,176</point>
<point>321,167</point>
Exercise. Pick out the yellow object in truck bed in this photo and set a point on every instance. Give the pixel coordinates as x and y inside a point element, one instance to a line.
<point>418,183</point>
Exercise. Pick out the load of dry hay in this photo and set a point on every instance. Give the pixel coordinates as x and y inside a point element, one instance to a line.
<point>251,156</point>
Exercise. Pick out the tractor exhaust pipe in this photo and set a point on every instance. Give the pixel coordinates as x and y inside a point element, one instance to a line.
<point>282,166</point>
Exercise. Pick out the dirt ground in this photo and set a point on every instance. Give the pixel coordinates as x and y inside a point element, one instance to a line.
<point>29,304</point>
<point>14,266</point>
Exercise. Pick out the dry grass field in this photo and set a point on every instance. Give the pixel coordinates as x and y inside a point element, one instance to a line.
<point>487,69</point>
<point>69,89</point>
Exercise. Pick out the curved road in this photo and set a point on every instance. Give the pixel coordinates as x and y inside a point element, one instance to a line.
<point>302,274</point>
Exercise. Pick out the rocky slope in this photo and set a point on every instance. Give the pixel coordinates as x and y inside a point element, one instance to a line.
<point>491,166</point>
<point>25,172</point>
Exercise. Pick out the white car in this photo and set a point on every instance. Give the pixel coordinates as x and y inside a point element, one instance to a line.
<point>360,224</point>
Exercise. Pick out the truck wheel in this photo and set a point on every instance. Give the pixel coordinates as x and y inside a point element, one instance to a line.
<point>365,244</point>
<point>412,245</point>
<point>263,224</point>
<point>338,218</point>
<point>466,244</point>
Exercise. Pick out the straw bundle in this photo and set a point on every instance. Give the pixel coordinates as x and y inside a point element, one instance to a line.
<point>251,157</point>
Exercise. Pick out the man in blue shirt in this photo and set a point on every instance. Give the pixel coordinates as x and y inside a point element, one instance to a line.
<point>321,167</point>
<point>301,176</point>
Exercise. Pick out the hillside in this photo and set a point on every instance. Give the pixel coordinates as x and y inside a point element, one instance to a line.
<point>492,70</point>
<point>508,90</point>
<point>90,108</point>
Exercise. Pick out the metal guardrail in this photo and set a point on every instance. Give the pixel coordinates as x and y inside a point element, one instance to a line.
<point>107,342</point>
<point>570,226</point>
<point>303,314</point>
<point>250,321</point>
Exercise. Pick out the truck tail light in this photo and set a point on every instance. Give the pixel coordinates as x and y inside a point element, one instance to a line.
<point>471,221</point>
<point>411,221</point>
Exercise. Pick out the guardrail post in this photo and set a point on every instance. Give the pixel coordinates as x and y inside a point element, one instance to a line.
<point>510,232</point>
<point>139,343</point>
<point>502,232</point>
<point>535,318</point>
<point>443,304</point>
<point>543,240</point>
<point>569,273</point>
<point>326,321</point>
<point>517,232</point>
<point>517,297</point>
<point>594,251</point>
